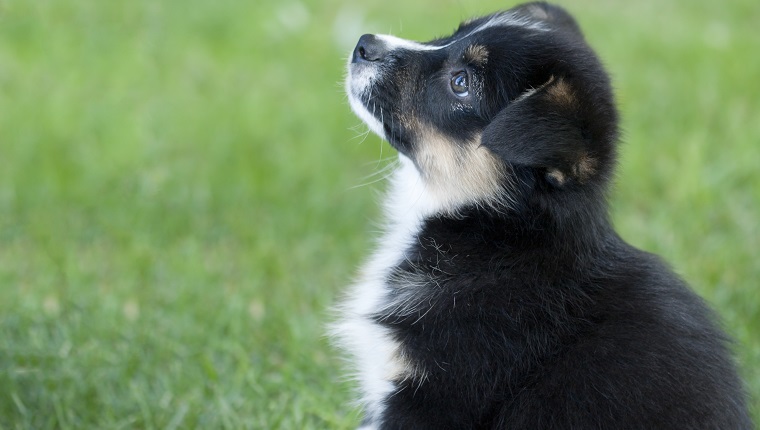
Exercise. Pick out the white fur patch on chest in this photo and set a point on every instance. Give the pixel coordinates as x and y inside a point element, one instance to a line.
<point>376,354</point>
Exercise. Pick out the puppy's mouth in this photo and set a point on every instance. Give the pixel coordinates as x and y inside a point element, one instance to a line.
<point>368,100</point>
<point>369,105</point>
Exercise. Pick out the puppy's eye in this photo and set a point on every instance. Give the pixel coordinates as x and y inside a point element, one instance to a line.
<point>460,83</point>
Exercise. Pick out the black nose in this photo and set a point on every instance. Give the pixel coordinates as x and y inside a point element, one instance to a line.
<point>369,48</point>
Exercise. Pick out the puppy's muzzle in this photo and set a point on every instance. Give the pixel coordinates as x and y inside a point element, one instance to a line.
<point>369,49</point>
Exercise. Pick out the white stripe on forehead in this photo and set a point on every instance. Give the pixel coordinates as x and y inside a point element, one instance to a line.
<point>504,19</point>
<point>393,42</point>
<point>512,19</point>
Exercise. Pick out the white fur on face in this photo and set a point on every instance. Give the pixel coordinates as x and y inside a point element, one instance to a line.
<point>513,19</point>
<point>393,42</point>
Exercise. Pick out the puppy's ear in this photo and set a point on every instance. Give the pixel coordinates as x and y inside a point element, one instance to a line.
<point>548,128</point>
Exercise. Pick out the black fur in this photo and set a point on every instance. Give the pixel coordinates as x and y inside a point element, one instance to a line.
<point>541,316</point>
<point>533,324</point>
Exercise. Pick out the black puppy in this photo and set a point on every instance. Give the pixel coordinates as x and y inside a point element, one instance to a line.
<point>500,296</point>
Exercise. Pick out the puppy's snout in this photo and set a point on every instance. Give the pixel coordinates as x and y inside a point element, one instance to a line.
<point>370,48</point>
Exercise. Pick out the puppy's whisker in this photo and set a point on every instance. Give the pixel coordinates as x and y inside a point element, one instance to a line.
<point>385,160</point>
<point>364,136</point>
<point>385,174</point>
<point>357,127</point>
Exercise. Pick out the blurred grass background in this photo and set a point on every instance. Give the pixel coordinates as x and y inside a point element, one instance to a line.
<point>178,207</point>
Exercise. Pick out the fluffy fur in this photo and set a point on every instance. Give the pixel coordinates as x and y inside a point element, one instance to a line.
<point>500,297</point>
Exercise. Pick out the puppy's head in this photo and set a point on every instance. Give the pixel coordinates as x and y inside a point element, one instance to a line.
<point>516,89</point>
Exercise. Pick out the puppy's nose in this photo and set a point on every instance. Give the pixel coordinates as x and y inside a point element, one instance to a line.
<point>369,48</point>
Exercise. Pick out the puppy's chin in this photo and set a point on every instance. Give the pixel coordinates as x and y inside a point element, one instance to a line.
<point>359,87</point>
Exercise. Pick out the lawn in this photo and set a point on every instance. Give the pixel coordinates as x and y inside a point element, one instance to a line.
<point>181,199</point>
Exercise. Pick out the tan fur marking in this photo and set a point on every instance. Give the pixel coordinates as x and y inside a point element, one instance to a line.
<point>476,54</point>
<point>557,176</point>
<point>459,173</point>
<point>562,93</point>
<point>585,168</point>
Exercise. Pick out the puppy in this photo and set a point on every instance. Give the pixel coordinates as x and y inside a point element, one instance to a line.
<point>500,297</point>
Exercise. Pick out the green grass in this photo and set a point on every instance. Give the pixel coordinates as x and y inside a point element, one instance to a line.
<point>177,211</point>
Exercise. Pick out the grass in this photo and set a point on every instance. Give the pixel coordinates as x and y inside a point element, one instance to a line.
<point>177,201</point>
